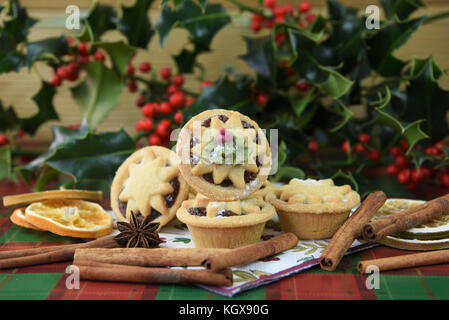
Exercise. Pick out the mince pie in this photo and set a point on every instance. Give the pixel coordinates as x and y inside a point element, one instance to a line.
<point>223,155</point>
<point>313,209</point>
<point>225,224</point>
<point>148,183</point>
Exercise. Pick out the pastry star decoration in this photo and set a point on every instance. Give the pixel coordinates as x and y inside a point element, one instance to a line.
<point>147,184</point>
<point>236,173</point>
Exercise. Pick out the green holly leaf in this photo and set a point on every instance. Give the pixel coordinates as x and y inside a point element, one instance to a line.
<point>44,100</point>
<point>10,59</point>
<point>287,173</point>
<point>400,8</point>
<point>338,11</point>
<point>383,43</point>
<point>335,85</point>
<point>261,56</point>
<point>165,23</point>
<point>8,118</point>
<point>49,48</point>
<point>18,23</point>
<point>183,240</point>
<point>101,18</point>
<point>98,94</point>
<point>135,24</point>
<point>119,52</point>
<point>5,162</point>
<point>224,94</point>
<point>95,156</point>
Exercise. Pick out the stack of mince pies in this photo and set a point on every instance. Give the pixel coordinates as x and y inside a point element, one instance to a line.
<point>216,183</point>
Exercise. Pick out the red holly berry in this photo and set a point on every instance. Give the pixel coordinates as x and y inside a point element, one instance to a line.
<point>205,83</point>
<point>401,161</point>
<point>63,72</point>
<point>364,137</point>
<point>269,24</point>
<point>411,185</point>
<point>302,85</point>
<point>83,59</point>
<point>99,56</point>
<point>163,128</point>
<point>178,80</point>
<point>165,73</point>
<point>69,40</point>
<point>304,7</point>
<point>3,139</point>
<point>140,100</point>
<point>279,11</point>
<point>396,151</point>
<point>310,17</point>
<point>279,38</point>
<point>178,117</point>
<point>444,179</point>
<point>145,67</point>
<point>404,144</point>
<point>374,154</point>
<point>392,169</point>
<point>432,151</point>
<point>262,98</point>
<point>313,146</point>
<point>189,101</point>
<point>154,139</point>
<point>270,3</point>
<point>359,148</point>
<point>82,49</point>
<point>256,26</point>
<point>145,124</point>
<point>165,108</point>
<point>416,175</point>
<point>132,86</point>
<point>289,9</point>
<point>279,19</point>
<point>404,176</point>
<point>345,146</point>
<point>171,89</point>
<point>177,99</point>
<point>55,80</point>
<point>256,17</point>
<point>130,69</point>
<point>425,173</point>
<point>149,110</point>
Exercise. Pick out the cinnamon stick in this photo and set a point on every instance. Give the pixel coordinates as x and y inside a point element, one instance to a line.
<point>147,257</point>
<point>65,253</point>
<point>406,261</point>
<point>350,230</point>
<point>91,270</point>
<point>250,253</point>
<point>32,251</point>
<point>405,220</point>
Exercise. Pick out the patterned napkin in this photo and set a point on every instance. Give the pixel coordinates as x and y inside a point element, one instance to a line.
<point>264,271</point>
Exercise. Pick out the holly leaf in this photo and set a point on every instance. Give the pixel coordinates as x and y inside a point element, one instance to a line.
<point>8,118</point>
<point>135,24</point>
<point>383,43</point>
<point>224,94</point>
<point>44,100</point>
<point>18,23</point>
<point>101,18</point>
<point>98,94</point>
<point>49,48</point>
<point>119,52</point>
<point>287,173</point>
<point>165,23</point>
<point>261,56</point>
<point>95,156</point>
<point>10,59</point>
<point>335,85</point>
<point>5,162</point>
<point>400,8</point>
<point>338,11</point>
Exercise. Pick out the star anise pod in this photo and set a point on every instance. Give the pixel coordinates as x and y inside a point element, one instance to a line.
<point>138,234</point>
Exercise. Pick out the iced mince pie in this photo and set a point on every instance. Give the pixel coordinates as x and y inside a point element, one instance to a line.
<point>225,224</point>
<point>313,209</point>
<point>148,183</point>
<point>224,154</point>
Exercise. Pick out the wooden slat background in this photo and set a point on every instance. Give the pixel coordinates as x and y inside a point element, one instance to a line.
<point>17,89</point>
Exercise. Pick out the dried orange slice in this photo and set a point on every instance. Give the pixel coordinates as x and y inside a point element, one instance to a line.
<point>73,218</point>
<point>18,218</point>
<point>27,198</point>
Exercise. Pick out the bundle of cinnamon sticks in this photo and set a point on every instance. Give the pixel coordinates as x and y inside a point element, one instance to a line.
<point>104,260</point>
<point>359,226</point>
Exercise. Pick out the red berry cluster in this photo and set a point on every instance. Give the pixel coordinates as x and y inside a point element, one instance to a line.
<point>279,14</point>
<point>409,174</point>
<point>3,140</point>
<point>362,146</point>
<point>159,116</point>
<point>70,70</point>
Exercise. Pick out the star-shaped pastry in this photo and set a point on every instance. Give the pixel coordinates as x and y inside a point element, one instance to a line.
<point>143,195</point>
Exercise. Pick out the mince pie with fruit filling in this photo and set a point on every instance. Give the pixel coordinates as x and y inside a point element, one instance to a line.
<point>225,224</point>
<point>148,183</point>
<point>312,209</point>
<point>224,154</point>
